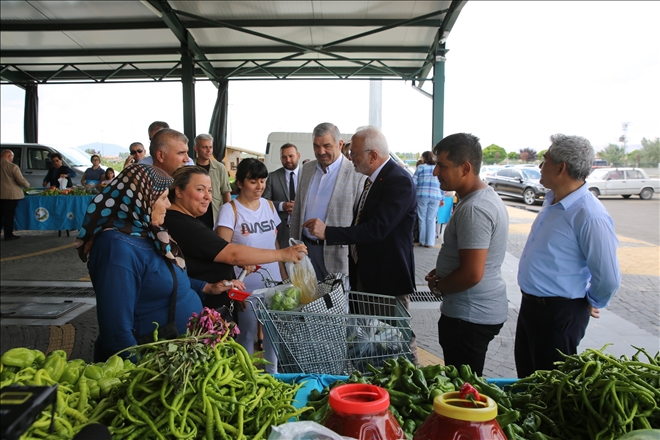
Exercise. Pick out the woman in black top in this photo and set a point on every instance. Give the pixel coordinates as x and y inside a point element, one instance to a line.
<point>58,170</point>
<point>209,257</point>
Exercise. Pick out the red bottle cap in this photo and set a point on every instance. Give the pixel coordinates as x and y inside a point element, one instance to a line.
<point>357,398</point>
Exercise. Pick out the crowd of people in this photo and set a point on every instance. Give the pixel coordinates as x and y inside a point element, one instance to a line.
<point>165,239</point>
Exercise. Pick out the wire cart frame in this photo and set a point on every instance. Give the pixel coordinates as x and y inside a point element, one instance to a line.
<point>338,333</point>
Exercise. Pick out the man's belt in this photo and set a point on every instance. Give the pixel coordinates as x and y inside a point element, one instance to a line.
<point>546,300</point>
<point>314,242</point>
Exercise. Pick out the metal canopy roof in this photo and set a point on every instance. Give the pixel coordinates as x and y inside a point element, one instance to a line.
<point>110,41</point>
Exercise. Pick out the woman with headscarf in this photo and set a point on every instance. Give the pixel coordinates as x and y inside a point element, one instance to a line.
<point>429,197</point>
<point>134,265</point>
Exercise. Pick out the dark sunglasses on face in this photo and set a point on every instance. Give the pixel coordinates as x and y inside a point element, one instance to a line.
<point>137,151</point>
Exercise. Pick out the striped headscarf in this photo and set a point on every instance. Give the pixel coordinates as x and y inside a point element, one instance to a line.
<point>125,206</point>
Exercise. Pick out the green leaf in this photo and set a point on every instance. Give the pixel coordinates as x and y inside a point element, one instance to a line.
<point>171,347</point>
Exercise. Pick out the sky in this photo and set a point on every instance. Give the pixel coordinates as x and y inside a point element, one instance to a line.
<point>516,73</point>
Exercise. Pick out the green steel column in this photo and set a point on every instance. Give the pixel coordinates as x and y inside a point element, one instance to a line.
<point>188,81</point>
<point>438,99</point>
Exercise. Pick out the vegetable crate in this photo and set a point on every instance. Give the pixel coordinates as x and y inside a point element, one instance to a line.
<point>338,333</point>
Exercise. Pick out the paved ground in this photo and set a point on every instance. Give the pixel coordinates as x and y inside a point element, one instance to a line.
<point>633,317</point>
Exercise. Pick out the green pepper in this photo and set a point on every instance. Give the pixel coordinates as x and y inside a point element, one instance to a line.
<point>20,357</point>
<point>112,366</point>
<point>318,415</point>
<point>508,418</point>
<point>451,372</point>
<point>8,372</point>
<point>72,371</point>
<point>394,377</point>
<point>399,399</point>
<point>406,384</point>
<point>419,380</point>
<point>381,381</point>
<point>419,411</point>
<point>94,389</point>
<point>107,384</point>
<point>466,373</point>
<point>388,366</point>
<point>128,364</point>
<point>314,395</point>
<point>409,426</point>
<point>93,372</point>
<point>55,364</point>
<point>406,364</point>
<point>432,371</point>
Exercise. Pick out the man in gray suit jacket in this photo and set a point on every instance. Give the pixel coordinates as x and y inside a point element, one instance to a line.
<point>281,189</point>
<point>329,189</point>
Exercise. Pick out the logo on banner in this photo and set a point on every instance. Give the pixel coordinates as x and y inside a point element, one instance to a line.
<point>41,214</point>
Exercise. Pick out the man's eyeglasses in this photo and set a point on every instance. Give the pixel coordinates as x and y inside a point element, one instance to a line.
<point>355,153</point>
<point>137,151</point>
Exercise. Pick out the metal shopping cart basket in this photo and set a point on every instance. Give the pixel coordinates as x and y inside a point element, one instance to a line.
<point>324,338</point>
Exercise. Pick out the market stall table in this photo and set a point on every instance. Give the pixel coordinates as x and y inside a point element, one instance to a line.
<point>51,213</point>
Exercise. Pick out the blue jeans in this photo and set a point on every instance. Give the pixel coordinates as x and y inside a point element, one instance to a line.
<point>427,211</point>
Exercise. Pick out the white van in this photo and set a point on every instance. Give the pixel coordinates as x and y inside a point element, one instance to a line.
<point>304,142</point>
<point>34,161</point>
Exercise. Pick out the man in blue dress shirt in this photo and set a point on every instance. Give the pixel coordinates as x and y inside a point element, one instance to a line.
<point>569,268</point>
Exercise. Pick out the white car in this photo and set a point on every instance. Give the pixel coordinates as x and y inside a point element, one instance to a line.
<point>488,170</point>
<point>623,182</point>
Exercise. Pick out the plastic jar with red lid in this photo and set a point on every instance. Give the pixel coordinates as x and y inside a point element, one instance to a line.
<point>362,411</point>
<point>455,418</point>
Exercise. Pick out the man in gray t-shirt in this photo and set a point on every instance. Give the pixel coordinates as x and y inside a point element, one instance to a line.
<point>468,270</point>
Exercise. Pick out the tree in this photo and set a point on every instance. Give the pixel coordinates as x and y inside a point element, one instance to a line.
<point>528,154</point>
<point>493,154</point>
<point>634,157</point>
<point>513,156</point>
<point>651,151</point>
<point>614,154</point>
<point>541,153</point>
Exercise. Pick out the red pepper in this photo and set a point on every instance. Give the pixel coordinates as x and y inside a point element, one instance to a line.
<point>470,393</point>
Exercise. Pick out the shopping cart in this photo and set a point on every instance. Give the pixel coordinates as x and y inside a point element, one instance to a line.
<point>338,333</point>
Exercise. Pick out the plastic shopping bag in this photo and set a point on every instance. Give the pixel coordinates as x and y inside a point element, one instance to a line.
<point>303,276</point>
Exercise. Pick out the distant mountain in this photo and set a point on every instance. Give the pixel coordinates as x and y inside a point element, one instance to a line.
<point>105,149</point>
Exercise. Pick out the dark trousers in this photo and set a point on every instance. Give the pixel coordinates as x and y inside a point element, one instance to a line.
<point>465,343</point>
<point>546,325</point>
<point>7,212</point>
<point>315,253</point>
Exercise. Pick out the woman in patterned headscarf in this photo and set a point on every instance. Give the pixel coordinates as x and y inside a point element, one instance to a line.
<point>131,258</point>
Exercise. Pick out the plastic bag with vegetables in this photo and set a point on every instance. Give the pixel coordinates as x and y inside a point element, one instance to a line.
<point>285,297</point>
<point>302,276</point>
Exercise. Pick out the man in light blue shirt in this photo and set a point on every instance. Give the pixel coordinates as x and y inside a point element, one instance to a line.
<point>568,268</point>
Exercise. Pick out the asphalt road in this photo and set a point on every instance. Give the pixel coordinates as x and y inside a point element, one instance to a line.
<point>633,217</point>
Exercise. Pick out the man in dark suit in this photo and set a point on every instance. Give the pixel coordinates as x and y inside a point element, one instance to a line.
<point>381,258</point>
<point>281,187</point>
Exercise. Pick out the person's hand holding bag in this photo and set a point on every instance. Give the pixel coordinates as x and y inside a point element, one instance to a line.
<point>302,276</point>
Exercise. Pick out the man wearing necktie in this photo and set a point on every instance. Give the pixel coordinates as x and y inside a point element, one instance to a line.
<point>381,235</point>
<point>281,188</point>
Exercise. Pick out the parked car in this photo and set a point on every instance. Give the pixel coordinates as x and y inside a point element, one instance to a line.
<point>34,161</point>
<point>488,170</point>
<point>623,182</point>
<point>599,163</point>
<point>522,183</point>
